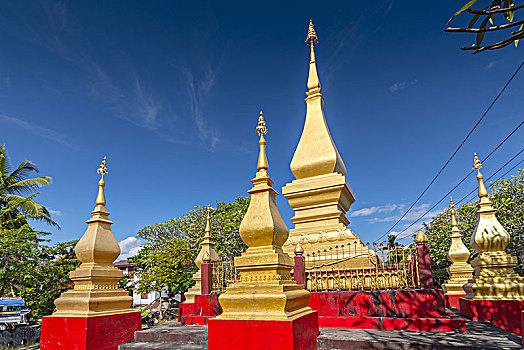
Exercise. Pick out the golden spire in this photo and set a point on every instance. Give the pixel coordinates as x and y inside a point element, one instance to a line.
<point>96,289</point>
<point>478,165</point>
<point>313,83</point>
<point>261,130</point>
<point>102,170</point>
<point>452,207</point>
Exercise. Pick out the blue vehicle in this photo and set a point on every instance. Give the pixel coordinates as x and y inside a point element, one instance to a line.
<point>14,328</point>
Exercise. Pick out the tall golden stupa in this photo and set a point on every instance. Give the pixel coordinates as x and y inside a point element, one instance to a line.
<point>320,196</point>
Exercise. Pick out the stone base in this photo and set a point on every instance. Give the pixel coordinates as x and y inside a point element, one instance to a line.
<point>452,300</point>
<point>503,313</point>
<point>298,334</point>
<point>89,333</point>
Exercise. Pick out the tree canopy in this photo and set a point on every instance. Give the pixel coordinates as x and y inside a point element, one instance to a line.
<point>166,259</point>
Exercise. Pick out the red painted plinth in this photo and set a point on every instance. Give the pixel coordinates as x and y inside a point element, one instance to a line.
<point>185,309</point>
<point>207,305</point>
<point>89,333</point>
<point>416,303</point>
<point>452,300</point>
<point>503,313</point>
<point>299,334</point>
<point>389,323</point>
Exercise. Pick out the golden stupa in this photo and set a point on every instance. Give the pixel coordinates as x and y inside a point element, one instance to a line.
<point>96,289</point>
<point>494,277</point>
<point>320,196</point>
<point>205,250</point>
<point>460,270</point>
<point>266,290</point>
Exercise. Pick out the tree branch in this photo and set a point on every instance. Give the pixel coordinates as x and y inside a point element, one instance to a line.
<point>479,12</point>
<point>496,45</point>
<point>478,30</point>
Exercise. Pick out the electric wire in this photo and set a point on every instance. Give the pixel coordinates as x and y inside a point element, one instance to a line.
<point>454,153</point>
<point>463,179</point>
<point>476,188</point>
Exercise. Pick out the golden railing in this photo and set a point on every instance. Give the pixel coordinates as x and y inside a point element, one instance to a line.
<point>224,273</point>
<point>362,267</point>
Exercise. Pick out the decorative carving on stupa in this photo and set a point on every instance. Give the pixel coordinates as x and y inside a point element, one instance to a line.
<point>207,253</point>
<point>494,277</point>
<point>459,271</point>
<point>320,196</point>
<point>96,289</point>
<point>266,290</point>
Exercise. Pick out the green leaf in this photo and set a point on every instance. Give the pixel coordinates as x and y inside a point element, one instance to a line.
<point>509,14</point>
<point>473,20</point>
<point>480,35</point>
<point>464,8</point>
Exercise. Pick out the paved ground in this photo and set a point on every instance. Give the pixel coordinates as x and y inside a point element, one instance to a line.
<point>480,335</point>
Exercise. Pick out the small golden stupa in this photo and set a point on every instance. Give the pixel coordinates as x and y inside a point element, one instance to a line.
<point>320,196</point>
<point>209,252</point>
<point>494,278</point>
<point>266,290</point>
<point>96,289</point>
<point>459,271</point>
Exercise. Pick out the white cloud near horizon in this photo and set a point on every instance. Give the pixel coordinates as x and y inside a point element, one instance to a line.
<point>129,247</point>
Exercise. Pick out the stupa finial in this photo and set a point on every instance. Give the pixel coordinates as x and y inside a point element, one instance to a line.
<point>452,207</point>
<point>261,130</point>
<point>313,83</point>
<point>478,165</point>
<point>208,226</point>
<point>102,170</point>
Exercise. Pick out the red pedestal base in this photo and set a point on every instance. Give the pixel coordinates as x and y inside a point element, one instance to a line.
<point>452,300</point>
<point>456,325</point>
<point>299,334</point>
<point>185,309</point>
<point>89,333</point>
<point>503,313</point>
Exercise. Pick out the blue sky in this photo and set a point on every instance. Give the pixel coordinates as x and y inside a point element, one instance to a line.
<point>170,92</point>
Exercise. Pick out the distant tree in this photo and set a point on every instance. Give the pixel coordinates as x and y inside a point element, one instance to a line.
<point>507,196</point>
<point>494,10</point>
<point>17,192</point>
<point>166,259</point>
<point>49,278</point>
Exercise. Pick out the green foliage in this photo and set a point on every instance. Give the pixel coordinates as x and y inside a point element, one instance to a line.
<point>126,283</point>
<point>50,278</point>
<point>507,196</point>
<point>19,256</point>
<point>166,259</point>
<point>17,192</point>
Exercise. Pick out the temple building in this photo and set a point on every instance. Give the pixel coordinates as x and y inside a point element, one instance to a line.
<point>321,195</point>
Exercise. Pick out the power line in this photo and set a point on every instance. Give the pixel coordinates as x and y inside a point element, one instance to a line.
<point>463,179</point>
<point>476,188</point>
<point>454,153</point>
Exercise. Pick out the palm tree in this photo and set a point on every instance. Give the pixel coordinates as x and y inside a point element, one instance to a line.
<point>17,192</point>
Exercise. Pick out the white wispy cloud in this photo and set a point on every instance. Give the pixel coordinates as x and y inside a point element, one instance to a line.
<point>416,212</point>
<point>401,85</point>
<point>55,212</point>
<point>129,247</point>
<point>37,130</point>
<point>376,209</point>
<point>198,91</point>
<point>491,65</point>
